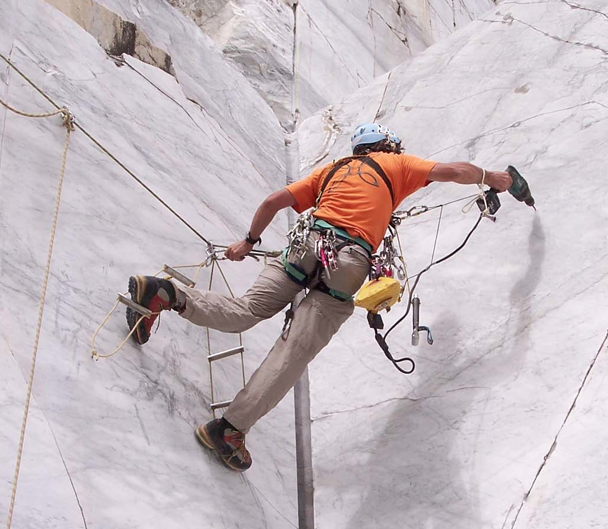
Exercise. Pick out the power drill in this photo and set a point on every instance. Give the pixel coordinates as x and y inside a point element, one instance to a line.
<point>519,190</point>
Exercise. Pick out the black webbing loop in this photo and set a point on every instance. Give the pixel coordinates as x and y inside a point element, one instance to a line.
<point>383,345</point>
<point>289,314</point>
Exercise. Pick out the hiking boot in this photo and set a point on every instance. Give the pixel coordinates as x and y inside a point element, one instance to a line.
<point>220,435</point>
<point>154,294</point>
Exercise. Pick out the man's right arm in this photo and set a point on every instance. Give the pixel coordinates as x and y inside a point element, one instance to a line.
<point>467,173</point>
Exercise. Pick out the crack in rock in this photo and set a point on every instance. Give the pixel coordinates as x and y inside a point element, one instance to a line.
<point>576,6</point>
<point>554,443</point>
<point>368,406</point>
<point>507,19</point>
<point>401,36</point>
<point>84,520</point>
<point>114,34</point>
<point>513,125</point>
<point>356,76</point>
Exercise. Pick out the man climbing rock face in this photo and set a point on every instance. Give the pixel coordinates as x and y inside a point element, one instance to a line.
<point>353,200</point>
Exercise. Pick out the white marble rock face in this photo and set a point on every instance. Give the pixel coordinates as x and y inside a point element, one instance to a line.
<point>500,426</point>
<point>340,46</point>
<point>519,317</point>
<point>111,443</point>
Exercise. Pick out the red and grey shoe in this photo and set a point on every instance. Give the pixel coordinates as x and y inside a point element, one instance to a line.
<point>228,441</point>
<point>154,294</point>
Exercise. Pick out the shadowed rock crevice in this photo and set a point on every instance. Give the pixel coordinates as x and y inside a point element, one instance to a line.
<point>114,34</point>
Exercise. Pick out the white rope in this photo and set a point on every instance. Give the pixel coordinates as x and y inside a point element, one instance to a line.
<point>480,195</point>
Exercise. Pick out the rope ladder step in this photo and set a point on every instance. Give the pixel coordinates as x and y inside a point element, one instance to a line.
<point>226,354</point>
<point>222,404</point>
<point>171,272</point>
<point>135,306</point>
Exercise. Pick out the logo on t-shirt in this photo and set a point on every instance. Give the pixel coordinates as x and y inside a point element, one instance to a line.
<point>362,171</point>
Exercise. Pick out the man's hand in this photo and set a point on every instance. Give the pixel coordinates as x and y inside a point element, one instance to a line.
<point>499,180</point>
<point>238,250</point>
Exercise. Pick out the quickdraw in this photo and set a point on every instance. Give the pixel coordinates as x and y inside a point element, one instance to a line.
<point>298,235</point>
<point>325,251</point>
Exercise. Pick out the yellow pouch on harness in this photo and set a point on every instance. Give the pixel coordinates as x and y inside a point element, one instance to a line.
<point>378,294</point>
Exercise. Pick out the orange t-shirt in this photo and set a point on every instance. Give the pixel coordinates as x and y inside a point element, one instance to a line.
<point>356,198</point>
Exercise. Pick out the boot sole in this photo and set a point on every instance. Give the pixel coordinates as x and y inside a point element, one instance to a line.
<point>132,316</point>
<point>203,439</point>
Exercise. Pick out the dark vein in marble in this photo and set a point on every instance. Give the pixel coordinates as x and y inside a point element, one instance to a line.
<point>401,36</point>
<point>355,76</point>
<point>84,520</point>
<point>515,124</point>
<point>554,443</point>
<point>559,39</point>
<point>576,6</point>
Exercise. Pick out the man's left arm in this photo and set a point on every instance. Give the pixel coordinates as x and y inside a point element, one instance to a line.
<point>266,211</point>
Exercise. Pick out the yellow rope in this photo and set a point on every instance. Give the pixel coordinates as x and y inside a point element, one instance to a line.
<point>68,122</point>
<point>27,115</point>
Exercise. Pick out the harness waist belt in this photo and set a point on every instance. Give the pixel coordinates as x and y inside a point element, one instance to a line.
<point>341,233</point>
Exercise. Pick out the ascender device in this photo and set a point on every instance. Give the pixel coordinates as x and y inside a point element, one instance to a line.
<point>519,189</point>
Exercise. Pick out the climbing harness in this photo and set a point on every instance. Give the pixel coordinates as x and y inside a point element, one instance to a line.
<point>298,235</point>
<point>331,240</point>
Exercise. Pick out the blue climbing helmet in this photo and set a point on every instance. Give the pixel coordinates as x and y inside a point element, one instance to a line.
<point>370,133</point>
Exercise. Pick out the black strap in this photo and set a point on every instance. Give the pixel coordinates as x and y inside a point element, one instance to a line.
<point>337,166</point>
<point>376,167</point>
<point>364,159</point>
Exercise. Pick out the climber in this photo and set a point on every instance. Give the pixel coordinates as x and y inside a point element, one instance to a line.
<point>355,204</point>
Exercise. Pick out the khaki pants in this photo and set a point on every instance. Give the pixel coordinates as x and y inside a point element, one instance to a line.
<point>316,320</point>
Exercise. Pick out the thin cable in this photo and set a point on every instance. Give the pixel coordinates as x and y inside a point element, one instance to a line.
<point>437,234</point>
<point>433,263</point>
<point>453,201</point>
<point>107,152</point>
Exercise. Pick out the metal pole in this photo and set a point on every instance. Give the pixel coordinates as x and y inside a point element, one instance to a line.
<point>306,491</point>
<point>306,511</point>
<point>306,514</point>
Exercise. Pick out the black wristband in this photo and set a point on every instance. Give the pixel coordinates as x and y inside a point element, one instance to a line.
<point>251,240</point>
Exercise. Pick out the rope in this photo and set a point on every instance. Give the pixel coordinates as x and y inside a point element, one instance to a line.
<point>240,334</point>
<point>68,122</point>
<point>216,264</point>
<point>480,195</point>
<point>27,115</point>
<point>208,332</point>
<point>94,352</point>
